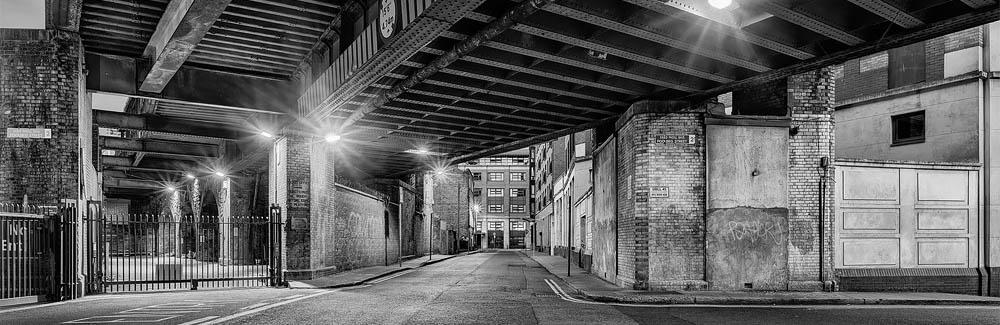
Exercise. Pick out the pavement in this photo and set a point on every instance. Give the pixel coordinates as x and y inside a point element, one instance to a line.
<point>594,288</point>
<point>366,274</point>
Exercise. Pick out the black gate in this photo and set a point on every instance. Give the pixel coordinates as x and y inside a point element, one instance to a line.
<point>163,252</point>
<point>38,252</point>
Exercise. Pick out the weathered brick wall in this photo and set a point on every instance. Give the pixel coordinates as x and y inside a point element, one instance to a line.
<point>359,231</point>
<point>677,222</point>
<point>605,194</point>
<point>451,201</point>
<point>764,99</point>
<point>40,80</point>
<point>811,99</point>
<point>297,209</point>
<point>869,74</point>
<point>627,237</point>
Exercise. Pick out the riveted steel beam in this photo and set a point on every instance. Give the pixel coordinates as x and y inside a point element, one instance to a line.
<point>444,119</point>
<point>889,12</point>
<point>599,13</point>
<point>420,123</point>
<point>166,125</point>
<point>620,50</point>
<point>976,4</point>
<point>508,19</point>
<point>161,147</point>
<point>719,21</point>
<point>815,24</point>
<point>181,28</point>
<point>468,118</point>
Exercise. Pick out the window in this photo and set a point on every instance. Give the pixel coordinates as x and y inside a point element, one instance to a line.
<point>908,128</point>
<point>517,192</point>
<point>907,65</point>
<point>477,176</point>
<point>496,208</point>
<point>517,208</point>
<point>479,227</point>
<point>477,192</point>
<point>580,150</point>
<point>494,192</point>
<point>496,177</point>
<point>495,225</point>
<point>517,225</point>
<point>517,176</point>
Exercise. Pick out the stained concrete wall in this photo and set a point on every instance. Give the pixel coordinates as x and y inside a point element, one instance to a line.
<point>359,231</point>
<point>604,243</point>
<point>952,113</point>
<point>747,221</point>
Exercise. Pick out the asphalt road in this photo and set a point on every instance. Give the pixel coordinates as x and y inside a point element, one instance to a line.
<point>500,288</point>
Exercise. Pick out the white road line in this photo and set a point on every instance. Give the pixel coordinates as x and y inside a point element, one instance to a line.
<point>291,297</point>
<point>200,320</point>
<point>257,310</point>
<point>40,305</point>
<point>254,306</point>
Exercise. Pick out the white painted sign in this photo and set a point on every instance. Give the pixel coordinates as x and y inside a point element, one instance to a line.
<point>35,133</point>
<point>387,18</point>
<point>659,191</point>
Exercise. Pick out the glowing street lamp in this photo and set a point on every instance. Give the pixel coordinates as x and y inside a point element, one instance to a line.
<point>266,134</point>
<point>332,137</point>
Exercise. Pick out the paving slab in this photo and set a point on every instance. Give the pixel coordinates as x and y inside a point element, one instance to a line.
<point>594,288</point>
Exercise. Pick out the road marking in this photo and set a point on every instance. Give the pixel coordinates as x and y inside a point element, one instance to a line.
<point>564,296</point>
<point>40,305</point>
<point>390,277</point>
<point>152,314</point>
<point>260,309</point>
<point>291,297</point>
<point>200,320</point>
<point>254,306</point>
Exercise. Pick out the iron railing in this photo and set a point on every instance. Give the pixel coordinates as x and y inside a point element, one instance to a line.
<point>162,252</point>
<point>38,251</point>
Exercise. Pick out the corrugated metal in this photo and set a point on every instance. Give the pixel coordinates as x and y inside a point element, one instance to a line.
<point>363,49</point>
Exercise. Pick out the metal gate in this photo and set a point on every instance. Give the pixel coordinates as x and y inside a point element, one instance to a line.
<point>163,252</point>
<point>38,252</point>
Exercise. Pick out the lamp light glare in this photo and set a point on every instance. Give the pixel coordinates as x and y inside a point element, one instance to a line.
<point>332,137</point>
<point>189,175</point>
<point>266,134</point>
<point>720,4</point>
<point>171,189</point>
<point>220,174</point>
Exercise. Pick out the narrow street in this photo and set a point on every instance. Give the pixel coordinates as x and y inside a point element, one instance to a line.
<point>486,288</point>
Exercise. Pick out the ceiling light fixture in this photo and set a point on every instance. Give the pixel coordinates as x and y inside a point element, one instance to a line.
<point>720,4</point>
<point>220,174</point>
<point>266,134</point>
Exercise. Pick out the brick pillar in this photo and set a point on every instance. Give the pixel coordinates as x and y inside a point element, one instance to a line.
<point>303,182</point>
<point>41,90</point>
<point>661,234</point>
<point>811,100</point>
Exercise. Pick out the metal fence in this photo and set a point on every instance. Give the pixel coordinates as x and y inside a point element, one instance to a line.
<point>38,252</point>
<point>163,252</point>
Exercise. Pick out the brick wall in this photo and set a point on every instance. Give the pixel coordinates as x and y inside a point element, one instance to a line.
<point>451,201</point>
<point>359,232</point>
<point>764,99</point>
<point>40,87</point>
<point>811,99</point>
<point>297,209</point>
<point>627,246</point>
<point>604,243</point>
<point>677,222</point>
<point>869,74</point>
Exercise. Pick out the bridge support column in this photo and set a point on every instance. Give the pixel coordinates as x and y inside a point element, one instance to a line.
<point>45,130</point>
<point>728,199</point>
<point>302,181</point>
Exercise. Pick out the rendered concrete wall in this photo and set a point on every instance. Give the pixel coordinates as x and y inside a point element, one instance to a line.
<point>604,244</point>
<point>747,221</point>
<point>952,119</point>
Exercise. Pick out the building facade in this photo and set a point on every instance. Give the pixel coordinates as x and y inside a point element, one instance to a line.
<point>928,109</point>
<point>500,200</point>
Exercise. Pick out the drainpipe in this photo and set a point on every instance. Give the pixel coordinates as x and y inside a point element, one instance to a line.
<point>824,163</point>
<point>986,173</point>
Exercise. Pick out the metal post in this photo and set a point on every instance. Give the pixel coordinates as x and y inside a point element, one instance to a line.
<point>399,217</point>
<point>569,237</point>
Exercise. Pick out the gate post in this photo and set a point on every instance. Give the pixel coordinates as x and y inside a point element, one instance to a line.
<point>54,257</point>
<point>275,245</point>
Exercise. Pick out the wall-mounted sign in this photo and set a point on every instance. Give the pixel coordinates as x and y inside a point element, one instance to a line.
<point>659,191</point>
<point>641,196</point>
<point>389,20</point>
<point>35,133</point>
